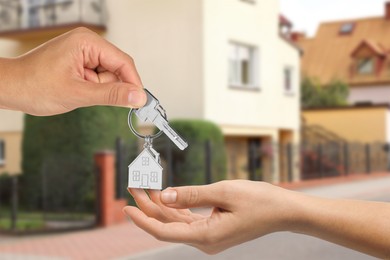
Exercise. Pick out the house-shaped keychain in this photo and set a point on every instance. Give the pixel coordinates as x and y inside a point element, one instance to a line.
<point>145,171</point>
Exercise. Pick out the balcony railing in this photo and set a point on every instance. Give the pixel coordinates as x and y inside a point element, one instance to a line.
<point>20,19</point>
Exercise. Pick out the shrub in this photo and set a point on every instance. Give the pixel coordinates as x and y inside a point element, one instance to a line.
<point>189,166</point>
<point>313,94</point>
<point>58,154</point>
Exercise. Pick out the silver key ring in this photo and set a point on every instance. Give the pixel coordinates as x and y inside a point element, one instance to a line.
<point>130,123</point>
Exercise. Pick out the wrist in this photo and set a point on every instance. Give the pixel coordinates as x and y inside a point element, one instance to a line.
<point>305,210</point>
<point>293,214</point>
<point>280,209</point>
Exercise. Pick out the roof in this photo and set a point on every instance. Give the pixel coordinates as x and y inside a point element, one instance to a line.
<point>327,56</point>
<point>284,21</point>
<point>373,46</point>
<point>291,43</point>
<point>148,153</point>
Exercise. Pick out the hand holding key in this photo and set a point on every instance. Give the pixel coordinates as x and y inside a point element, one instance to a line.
<point>76,69</point>
<point>145,172</point>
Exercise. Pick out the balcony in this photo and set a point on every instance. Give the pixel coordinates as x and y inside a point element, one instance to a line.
<point>36,19</point>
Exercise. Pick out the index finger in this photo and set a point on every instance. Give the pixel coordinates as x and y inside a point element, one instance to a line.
<point>119,63</point>
<point>98,52</point>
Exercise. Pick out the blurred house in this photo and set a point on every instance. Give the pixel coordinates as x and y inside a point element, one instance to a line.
<point>355,52</point>
<point>227,61</point>
<point>34,19</point>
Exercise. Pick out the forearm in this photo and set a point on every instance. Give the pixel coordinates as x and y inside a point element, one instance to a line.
<point>360,225</point>
<point>9,91</point>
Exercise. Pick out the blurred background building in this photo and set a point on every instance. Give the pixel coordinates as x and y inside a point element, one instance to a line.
<point>228,62</point>
<point>353,51</point>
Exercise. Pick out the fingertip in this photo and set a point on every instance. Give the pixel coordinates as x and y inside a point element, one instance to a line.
<point>135,192</point>
<point>127,210</point>
<point>132,212</point>
<point>168,196</point>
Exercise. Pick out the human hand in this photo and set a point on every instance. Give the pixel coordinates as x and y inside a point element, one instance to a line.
<point>242,211</point>
<point>245,210</point>
<point>76,69</point>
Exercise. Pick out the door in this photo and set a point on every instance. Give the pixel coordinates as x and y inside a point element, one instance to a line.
<point>254,159</point>
<point>145,181</point>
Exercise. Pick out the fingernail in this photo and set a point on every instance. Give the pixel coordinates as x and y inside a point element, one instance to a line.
<point>136,98</point>
<point>168,196</point>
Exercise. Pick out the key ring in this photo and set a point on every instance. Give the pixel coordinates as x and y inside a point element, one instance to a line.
<point>130,123</point>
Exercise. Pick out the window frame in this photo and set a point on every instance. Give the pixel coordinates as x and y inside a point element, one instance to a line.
<point>154,177</point>
<point>291,89</point>
<point>249,1</point>
<point>235,66</point>
<point>136,176</point>
<point>347,28</point>
<point>145,161</point>
<point>362,59</point>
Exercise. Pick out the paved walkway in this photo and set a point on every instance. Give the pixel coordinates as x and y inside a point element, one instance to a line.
<point>122,241</point>
<point>107,243</point>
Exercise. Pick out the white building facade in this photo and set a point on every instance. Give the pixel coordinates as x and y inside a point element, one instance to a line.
<point>220,60</point>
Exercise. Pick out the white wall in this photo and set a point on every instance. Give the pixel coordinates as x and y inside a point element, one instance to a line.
<point>288,104</point>
<point>374,94</point>
<point>257,25</point>
<point>11,121</point>
<point>164,38</point>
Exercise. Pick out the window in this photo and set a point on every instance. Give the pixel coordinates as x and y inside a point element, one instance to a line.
<point>2,152</point>
<point>365,66</point>
<point>249,1</point>
<point>145,161</point>
<point>243,63</point>
<point>153,177</point>
<point>136,176</point>
<point>287,78</point>
<point>346,28</point>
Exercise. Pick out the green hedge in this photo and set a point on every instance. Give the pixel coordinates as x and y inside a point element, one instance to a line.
<point>58,154</point>
<point>189,166</point>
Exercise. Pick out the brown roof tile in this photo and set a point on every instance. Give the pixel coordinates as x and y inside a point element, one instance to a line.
<point>327,56</point>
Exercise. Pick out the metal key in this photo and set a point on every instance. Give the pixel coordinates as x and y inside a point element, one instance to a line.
<point>155,113</point>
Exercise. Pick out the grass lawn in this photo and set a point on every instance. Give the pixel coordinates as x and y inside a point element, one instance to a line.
<point>36,220</point>
<point>22,224</point>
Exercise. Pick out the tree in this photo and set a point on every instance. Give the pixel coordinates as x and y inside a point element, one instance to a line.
<point>313,94</point>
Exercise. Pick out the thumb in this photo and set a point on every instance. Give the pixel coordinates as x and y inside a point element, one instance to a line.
<point>116,94</point>
<point>194,196</point>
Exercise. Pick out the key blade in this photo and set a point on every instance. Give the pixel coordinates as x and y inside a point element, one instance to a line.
<point>175,137</point>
